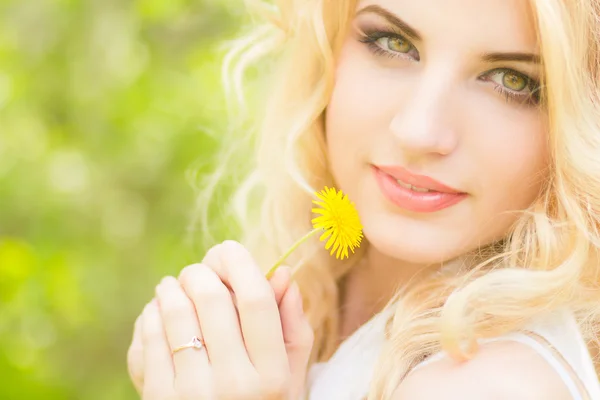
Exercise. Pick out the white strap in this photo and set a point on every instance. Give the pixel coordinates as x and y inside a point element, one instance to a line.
<point>570,377</point>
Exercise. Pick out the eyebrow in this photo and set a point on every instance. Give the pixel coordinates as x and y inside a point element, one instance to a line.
<point>393,19</point>
<point>415,35</point>
<point>521,57</point>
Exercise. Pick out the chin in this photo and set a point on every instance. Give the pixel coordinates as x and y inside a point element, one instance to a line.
<point>416,242</point>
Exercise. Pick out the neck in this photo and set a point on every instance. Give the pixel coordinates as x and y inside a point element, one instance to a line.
<point>371,284</point>
<point>374,281</point>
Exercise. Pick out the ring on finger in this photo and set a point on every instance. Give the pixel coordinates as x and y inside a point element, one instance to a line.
<point>195,343</point>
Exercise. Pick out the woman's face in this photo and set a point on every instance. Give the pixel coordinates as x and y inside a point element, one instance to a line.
<point>434,128</point>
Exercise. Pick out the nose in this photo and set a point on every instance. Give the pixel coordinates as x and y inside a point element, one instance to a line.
<point>423,125</point>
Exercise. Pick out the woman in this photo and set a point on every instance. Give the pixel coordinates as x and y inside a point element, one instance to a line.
<point>467,133</point>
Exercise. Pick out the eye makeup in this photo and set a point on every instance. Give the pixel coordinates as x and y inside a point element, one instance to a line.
<point>390,43</point>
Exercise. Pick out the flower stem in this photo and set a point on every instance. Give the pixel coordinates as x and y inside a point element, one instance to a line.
<point>291,250</point>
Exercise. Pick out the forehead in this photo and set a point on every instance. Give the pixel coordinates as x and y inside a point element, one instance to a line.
<point>505,25</point>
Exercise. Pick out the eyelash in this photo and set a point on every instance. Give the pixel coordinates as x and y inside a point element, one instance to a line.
<point>532,97</point>
<point>370,39</point>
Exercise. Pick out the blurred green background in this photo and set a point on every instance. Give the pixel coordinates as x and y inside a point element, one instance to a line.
<point>105,108</point>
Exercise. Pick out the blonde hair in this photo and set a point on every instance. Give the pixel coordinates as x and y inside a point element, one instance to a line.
<point>549,259</point>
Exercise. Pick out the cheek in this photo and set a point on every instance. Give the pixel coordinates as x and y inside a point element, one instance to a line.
<point>512,160</point>
<point>358,113</point>
<point>354,105</point>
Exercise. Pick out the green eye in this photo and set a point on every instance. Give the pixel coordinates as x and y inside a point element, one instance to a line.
<point>514,81</point>
<point>514,85</point>
<point>390,45</point>
<point>394,44</point>
<point>399,45</point>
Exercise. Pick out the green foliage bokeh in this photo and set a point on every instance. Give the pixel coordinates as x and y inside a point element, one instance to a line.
<point>105,105</point>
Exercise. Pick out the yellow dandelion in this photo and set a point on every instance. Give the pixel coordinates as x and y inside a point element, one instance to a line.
<point>338,222</point>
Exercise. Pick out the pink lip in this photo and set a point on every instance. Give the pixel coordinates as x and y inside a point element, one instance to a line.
<point>422,181</point>
<point>440,197</point>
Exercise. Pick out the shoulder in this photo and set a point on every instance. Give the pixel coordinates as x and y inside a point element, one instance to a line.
<point>501,370</point>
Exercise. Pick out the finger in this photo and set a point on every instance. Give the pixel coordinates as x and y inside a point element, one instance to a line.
<point>258,312</point>
<point>192,368</point>
<point>298,336</point>
<point>135,357</point>
<point>280,281</point>
<point>158,366</point>
<point>217,316</point>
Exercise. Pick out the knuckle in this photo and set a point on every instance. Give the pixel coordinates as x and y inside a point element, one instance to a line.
<point>175,310</point>
<point>238,386</point>
<point>304,341</point>
<point>210,293</point>
<point>255,300</point>
<point>136,345</point>
<point>232,245</point>
<point>211,258</point>
<point>199,281</point>
<point>167,281</point>
<point>307,335</point>
<point>152,334</point>
<point>135,370</point>
<point>134,356</point>
<point>234,252</point>
<point>150,330</point>
<point>188,273</point>
<point>236,393</point>
<point>190,390</point>
<point>276,387</point>
<point>156,391</point>
<point>166,287</point>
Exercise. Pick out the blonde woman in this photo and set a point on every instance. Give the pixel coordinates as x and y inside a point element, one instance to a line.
<point>467,133</point>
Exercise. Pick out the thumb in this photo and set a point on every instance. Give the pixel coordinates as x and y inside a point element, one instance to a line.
<point>298,336</point>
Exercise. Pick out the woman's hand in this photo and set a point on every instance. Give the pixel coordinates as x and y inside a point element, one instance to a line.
<point>257,339</point>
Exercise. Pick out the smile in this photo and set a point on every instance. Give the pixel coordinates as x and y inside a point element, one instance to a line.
<point>423,194</point>
<point>412,187</point>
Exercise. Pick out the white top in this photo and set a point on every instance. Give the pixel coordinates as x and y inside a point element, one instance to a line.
<point>346,376</point>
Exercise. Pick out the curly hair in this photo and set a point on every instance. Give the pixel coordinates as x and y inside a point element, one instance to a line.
<point>547,261</point>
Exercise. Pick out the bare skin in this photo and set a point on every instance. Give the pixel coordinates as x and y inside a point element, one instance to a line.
<point>444,99</point>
